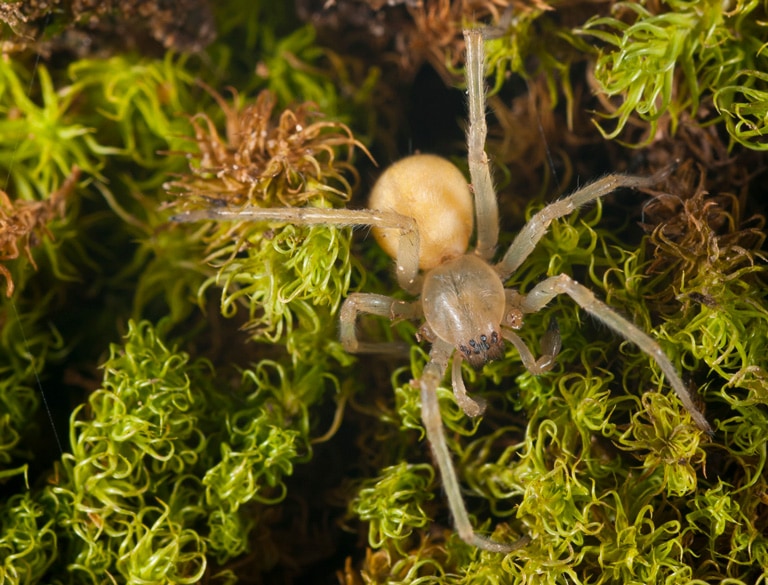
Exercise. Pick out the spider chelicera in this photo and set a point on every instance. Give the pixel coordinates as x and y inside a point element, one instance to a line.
<point>421,212</point>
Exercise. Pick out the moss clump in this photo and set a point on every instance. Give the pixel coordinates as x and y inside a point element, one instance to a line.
<point>175,405</point>
<point>666,60</point>
<point>163,475</point>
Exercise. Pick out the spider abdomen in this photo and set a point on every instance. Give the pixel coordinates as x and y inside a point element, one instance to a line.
<point>463,302</point>
<point>434,192</point>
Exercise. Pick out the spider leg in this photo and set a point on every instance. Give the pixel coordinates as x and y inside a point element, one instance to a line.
<point>472,407</point>
<point>550,347</point>
<point>407,261</point>
<point>373,304</point>
<point>534,230</point>
<point>486,208</point>
<point>430,415</point>
<point>545,291</point>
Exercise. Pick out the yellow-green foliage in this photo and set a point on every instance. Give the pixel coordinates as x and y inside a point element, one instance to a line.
<point>163,463</point>
<point>160,471</point>
<point>161,383</point>
<point>668,63</point>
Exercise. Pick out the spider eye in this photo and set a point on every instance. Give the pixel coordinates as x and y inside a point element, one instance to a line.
<point>482,349</point>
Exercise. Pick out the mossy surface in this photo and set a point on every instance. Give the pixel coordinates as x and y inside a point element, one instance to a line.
<point>175,405</point>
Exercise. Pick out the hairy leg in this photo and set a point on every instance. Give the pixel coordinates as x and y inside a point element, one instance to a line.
<point>537,226</point>
<point>373,304</point>
<point>433,422</point>
<point>545,291</point>
<point>407,261</point>
<point>486,207</point>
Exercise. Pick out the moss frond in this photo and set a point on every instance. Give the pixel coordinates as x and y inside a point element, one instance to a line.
<point>139,102</point>
<point>744,106</point>
<point>150,462</point>
<point>393,504</point>
<point>29,543</point>
<point>663,62</point>
<point>285,273</point>
<point>39,167</point>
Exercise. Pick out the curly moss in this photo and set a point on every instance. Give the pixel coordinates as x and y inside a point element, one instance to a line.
<point>279,274</point>
<point>138,102</point>
<point>743,103</point>
<point>197,456</point>
<point>289,275</point>
<point>608,481</point>
<point>161,453</point>
<point>168,463</point>
<point>666,62</point>
<point>29,543</point>
<point>393,503</point>
<point>671,453</point>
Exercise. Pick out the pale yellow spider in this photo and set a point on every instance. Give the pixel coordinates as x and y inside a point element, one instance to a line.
<point>421,212</point>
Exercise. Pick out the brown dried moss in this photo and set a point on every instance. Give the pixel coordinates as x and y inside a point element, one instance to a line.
<point>24,223</point>
<point>262,161</point>
<point>695,231</point>
<point>86,27</point>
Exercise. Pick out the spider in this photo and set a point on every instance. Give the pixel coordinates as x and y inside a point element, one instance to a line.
<point>421,212</point>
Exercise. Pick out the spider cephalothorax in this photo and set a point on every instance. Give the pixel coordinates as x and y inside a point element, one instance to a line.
<point>463,301</point>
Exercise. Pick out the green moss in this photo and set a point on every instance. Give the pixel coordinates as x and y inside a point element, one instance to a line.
<point>39,166</point>
<point>136,104</point>
<point>180,457</point>
<point>163,465</point>
<point>668,63</point>
<point>534,45</point>
<point>30,540</point>
<point>744,105</point>
<point>290,276</point>
<point>392,504</point>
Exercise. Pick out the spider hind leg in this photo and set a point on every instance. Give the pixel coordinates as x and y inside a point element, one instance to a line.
<point>553,286</point>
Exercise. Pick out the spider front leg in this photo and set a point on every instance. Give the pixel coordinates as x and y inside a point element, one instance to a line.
<point>545,291</point>
<point>534,230</point>
<point>433,423</point>
<point>373,304</point>
<point>406,262</point>
<point>486,207</point>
